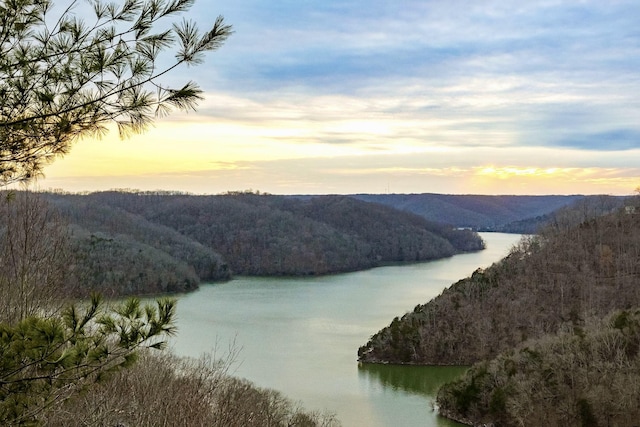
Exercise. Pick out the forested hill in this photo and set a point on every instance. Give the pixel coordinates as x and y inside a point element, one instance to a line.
<point>480,212</point>
<point>549,282</point>
<point>573,213</point>
<point>168,242</point>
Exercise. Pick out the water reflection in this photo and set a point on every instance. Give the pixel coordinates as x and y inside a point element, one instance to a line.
<point>422,380</point>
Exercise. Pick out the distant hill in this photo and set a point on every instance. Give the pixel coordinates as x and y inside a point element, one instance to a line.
<point>572,214</point>
<point>483,213</point>
<point>154,242</point>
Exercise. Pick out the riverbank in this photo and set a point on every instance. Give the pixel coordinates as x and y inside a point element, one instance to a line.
<point>300,335</point>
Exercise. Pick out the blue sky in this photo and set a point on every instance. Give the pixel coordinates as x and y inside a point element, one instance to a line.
<point>381,96</point>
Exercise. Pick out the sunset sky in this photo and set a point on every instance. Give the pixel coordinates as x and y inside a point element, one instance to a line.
<point>353,96</point>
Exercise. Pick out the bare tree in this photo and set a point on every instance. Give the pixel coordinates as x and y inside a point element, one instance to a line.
<point>33,256</point>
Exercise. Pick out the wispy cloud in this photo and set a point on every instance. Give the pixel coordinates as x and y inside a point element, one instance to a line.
<point>360,95</point>
<point>614,140</point>
<point>533,71</point>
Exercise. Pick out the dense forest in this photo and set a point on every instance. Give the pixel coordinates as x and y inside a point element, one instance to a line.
<point>581,376</point>
<point>562,276</point>
<point>534,318</point>
<point>549,294</point>
<point>132,243</point>
<point>119,253</point>
<point>127,242</point>
<point>573,213</point>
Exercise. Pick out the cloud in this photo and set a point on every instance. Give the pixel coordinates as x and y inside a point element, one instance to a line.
<point>346,43</point>
<point>351,96</point>
<point>614,140</point>
<point>498,74</point>
<point>423,172</point>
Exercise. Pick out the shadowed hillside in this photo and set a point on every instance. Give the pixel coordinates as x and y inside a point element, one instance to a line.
<point>585,376</point>
<point>484,213</point>
<point>154,242</point>
<point>274,235</point>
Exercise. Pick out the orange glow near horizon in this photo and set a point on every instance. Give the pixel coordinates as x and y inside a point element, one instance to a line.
<point>336,156</point>
<point>99,165</point>
<point>530,180</point>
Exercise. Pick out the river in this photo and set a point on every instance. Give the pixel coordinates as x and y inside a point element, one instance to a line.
<point>301,335</point>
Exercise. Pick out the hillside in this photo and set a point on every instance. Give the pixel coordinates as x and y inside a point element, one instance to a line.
<point>573,213</point>
<point>579,377</point>
<point>119,253</point>
<point>133,243</point>
<point>480,212</point>
<point>555,280</point>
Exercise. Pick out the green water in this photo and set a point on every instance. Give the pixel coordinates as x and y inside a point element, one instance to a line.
<point>301,336</point>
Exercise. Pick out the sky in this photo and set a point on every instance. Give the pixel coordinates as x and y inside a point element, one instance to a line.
<point>353,96</point>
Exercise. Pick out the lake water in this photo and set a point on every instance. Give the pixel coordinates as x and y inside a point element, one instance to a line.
<point>301,335</point>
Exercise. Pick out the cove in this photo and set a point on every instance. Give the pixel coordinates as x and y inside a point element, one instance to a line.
<point>301,335</point>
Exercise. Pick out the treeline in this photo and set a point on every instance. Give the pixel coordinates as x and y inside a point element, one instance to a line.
<point>572,214</point>
<point>480,212</point>
<point>133,243</point>
<point>537,314</point>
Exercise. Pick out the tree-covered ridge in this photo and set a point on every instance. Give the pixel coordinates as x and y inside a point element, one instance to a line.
<point>573,213</point>
<point>117,265</point>
<point>246,233</point>
<point>347,214</point>
<point>586,376</point>
<point>558,279</point>
<point>206,263</point>
<point>115,252</point>
<point>481,212</point>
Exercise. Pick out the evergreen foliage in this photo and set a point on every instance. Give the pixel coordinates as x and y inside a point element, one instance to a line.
<point>46,360</point>
<point>63,76</point>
